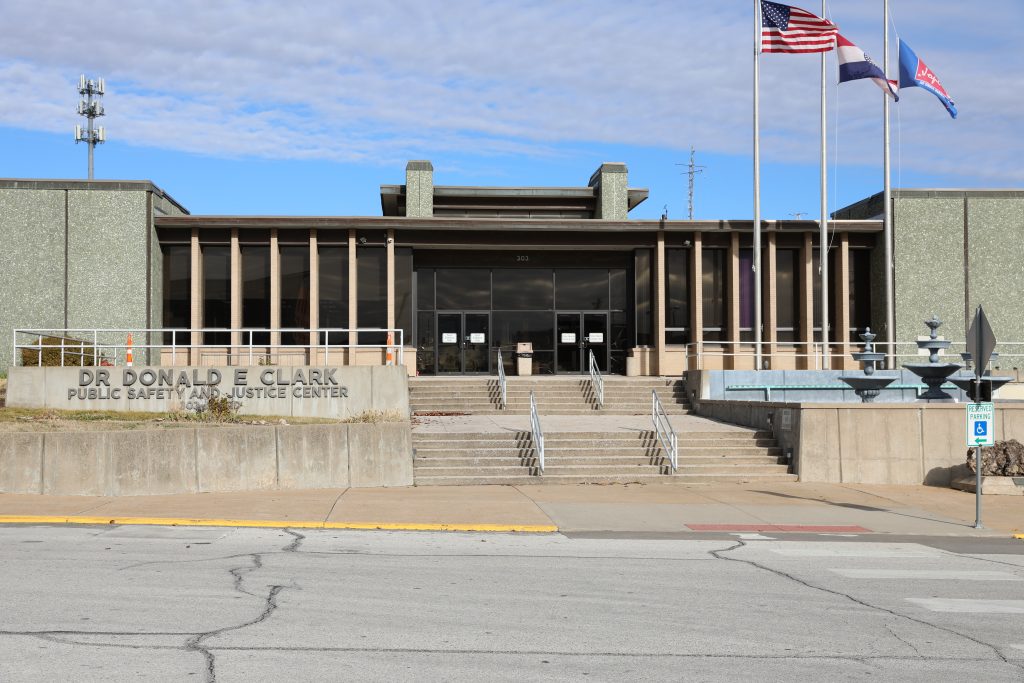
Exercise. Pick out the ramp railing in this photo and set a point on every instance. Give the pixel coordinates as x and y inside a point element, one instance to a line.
<point>596,380</point>
<point>666,433</point>
<point>502,381</point>
<point>538,433</point>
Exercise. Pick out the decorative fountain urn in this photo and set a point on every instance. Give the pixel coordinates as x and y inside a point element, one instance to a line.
<point>868,386</point>
<point>989,384</point>
<point>933,373</point>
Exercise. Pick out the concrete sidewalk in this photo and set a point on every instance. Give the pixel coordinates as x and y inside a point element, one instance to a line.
<point>630,508</point>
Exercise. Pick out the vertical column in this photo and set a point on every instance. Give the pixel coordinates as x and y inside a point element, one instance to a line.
<point>658,302</point>
<point>314,296</point>
<point>807,301</point>
<point>697,301</point>
<point>275,292</point>
<point>236,296</point>
<point>196,295</point>
<point>353,314</point>
<point>390,249</point>
<point>769,284</point>
<point>841,331</point>
<point>734,300</point>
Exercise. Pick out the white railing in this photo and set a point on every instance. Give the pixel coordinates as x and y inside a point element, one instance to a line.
<point>502,381</point>
<point>110,346</point>
<point>538,433</point>
<point>815,354</point>
<point>666,434</point>
<point>596,380</point>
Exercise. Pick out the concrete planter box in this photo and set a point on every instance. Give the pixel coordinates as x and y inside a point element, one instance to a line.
<point>206,459</point>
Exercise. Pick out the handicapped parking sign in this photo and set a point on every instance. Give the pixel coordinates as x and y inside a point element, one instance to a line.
<point>980,424</point>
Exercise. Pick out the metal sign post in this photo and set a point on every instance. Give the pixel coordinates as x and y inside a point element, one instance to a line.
<point>980,432</point>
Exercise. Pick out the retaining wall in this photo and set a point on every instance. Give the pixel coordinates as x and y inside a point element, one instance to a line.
<point>868,443</point>
<point>206,459</point>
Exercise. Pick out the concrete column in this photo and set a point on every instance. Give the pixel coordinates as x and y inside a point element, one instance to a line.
<point>734,300</point>
<point>697,299</point>
<point>768,286</point>
<point>390,250</point>
<point>807,301</point>
<point>275,291</point>
<point>611,182</point>
<point>841,302</point>
<point>353,299</point>
<point>658,302</point>
<point>314,295</point>
<point>419,189</point>
<point>236,294</point>
<point>196,287</point>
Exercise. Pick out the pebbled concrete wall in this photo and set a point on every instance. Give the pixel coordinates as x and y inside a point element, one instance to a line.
<point>206,459</point>
<point>32,232</point>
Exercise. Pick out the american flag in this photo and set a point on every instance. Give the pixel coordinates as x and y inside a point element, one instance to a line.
<point>791,29</point>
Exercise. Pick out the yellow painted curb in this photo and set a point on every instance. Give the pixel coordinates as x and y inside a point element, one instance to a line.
<point>1019,537</point>
<point>275,524</point>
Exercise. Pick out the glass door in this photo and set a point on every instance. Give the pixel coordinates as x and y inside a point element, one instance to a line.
<point>568,343</point>
<point>462,343</point>
<point>577,334</point>
<point>595,338</point>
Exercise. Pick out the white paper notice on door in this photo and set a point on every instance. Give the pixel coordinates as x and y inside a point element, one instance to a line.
<point>477,338</point>
<point>449,338</point>
<point>595,337</point>
<point>568,337</point>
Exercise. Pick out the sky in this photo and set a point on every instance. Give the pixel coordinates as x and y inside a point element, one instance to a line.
<point>306,108</point>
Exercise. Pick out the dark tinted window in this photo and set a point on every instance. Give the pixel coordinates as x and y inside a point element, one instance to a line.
<point>463,289</point>
<point>216,292</point>
<point>295,292</point>
<point>581,289</point>
<point>177,286</point>
<point>677,295</point>
<point>525,289</point>
<point>372,291</point>
<point>333,272</point>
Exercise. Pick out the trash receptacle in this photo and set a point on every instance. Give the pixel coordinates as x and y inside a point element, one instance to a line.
<point>524,358</point>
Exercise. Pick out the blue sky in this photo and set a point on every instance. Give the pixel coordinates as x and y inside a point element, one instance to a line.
<point>306,108</point>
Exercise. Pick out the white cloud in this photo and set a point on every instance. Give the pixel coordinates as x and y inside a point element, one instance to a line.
<point>389,81</point>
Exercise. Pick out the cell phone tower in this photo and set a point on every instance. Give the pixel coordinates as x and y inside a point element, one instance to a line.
<point>90,107</point>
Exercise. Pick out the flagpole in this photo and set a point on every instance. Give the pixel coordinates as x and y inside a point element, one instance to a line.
<point>757,184</point>
<point>823,223</point>
<point>890,321</point>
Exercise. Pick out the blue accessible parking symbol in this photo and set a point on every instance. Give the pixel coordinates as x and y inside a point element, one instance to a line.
<point>980,420</point>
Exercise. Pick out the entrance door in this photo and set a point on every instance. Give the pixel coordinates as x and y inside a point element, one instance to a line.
<point>463,341</point>
<point>576,335</point>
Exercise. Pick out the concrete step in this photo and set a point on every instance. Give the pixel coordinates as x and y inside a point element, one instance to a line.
<point>512,480</point>
<point>469,472</point>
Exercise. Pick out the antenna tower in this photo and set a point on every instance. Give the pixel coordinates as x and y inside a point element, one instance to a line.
<point>691,170</point>
<point>90,107</point>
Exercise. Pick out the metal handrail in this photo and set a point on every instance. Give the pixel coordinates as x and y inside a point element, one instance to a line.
<point>92,342</point>
<point>666,434</point>
<point>502,381</point>
<point>596,380</point>
<point>538,433</point>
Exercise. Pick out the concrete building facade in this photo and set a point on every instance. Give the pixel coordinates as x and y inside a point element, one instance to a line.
<point>462,272</point>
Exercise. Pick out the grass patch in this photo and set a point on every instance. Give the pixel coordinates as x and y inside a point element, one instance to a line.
<point>376,417</point>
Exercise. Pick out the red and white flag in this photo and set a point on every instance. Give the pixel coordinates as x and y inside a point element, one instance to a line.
<point>793,30</point>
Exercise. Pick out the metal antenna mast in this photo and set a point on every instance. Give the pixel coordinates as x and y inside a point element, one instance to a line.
<point>691,171</point>
<point>90,107</point>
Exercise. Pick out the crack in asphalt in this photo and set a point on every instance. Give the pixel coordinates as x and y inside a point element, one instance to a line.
<point>195,643</point>
<point>778,572</point>
<point>293,547</point>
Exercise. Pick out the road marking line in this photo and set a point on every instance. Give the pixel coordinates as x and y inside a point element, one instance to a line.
<point>753,537</point>
<point>942,574</point>
<point>275,524</point>
<point>857,550</point>
<point>966,605</point>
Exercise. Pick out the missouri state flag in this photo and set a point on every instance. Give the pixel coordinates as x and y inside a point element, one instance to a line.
<point>854,64</point>
<point>915,73</point>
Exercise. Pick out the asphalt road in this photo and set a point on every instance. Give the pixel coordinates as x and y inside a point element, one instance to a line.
<point>189,604</point>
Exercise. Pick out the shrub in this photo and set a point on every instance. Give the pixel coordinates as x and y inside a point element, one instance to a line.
<point>75,353</point>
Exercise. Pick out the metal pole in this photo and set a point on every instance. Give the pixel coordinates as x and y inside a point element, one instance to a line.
<point>823,223</point>
<point>978,451</point>
<point>890,320</point>
<point>757,185</point>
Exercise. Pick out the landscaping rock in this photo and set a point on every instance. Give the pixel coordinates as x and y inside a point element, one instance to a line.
<point>1005,459</point>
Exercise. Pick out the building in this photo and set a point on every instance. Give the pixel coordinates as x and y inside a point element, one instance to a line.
<point>457,273</point>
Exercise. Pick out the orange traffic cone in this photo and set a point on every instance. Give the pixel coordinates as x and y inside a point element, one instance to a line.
<point>128,351</point>
<point>389,357</point>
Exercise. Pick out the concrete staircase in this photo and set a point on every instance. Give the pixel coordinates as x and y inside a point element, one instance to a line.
<point>595,458</point>
<point>555,396</point>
